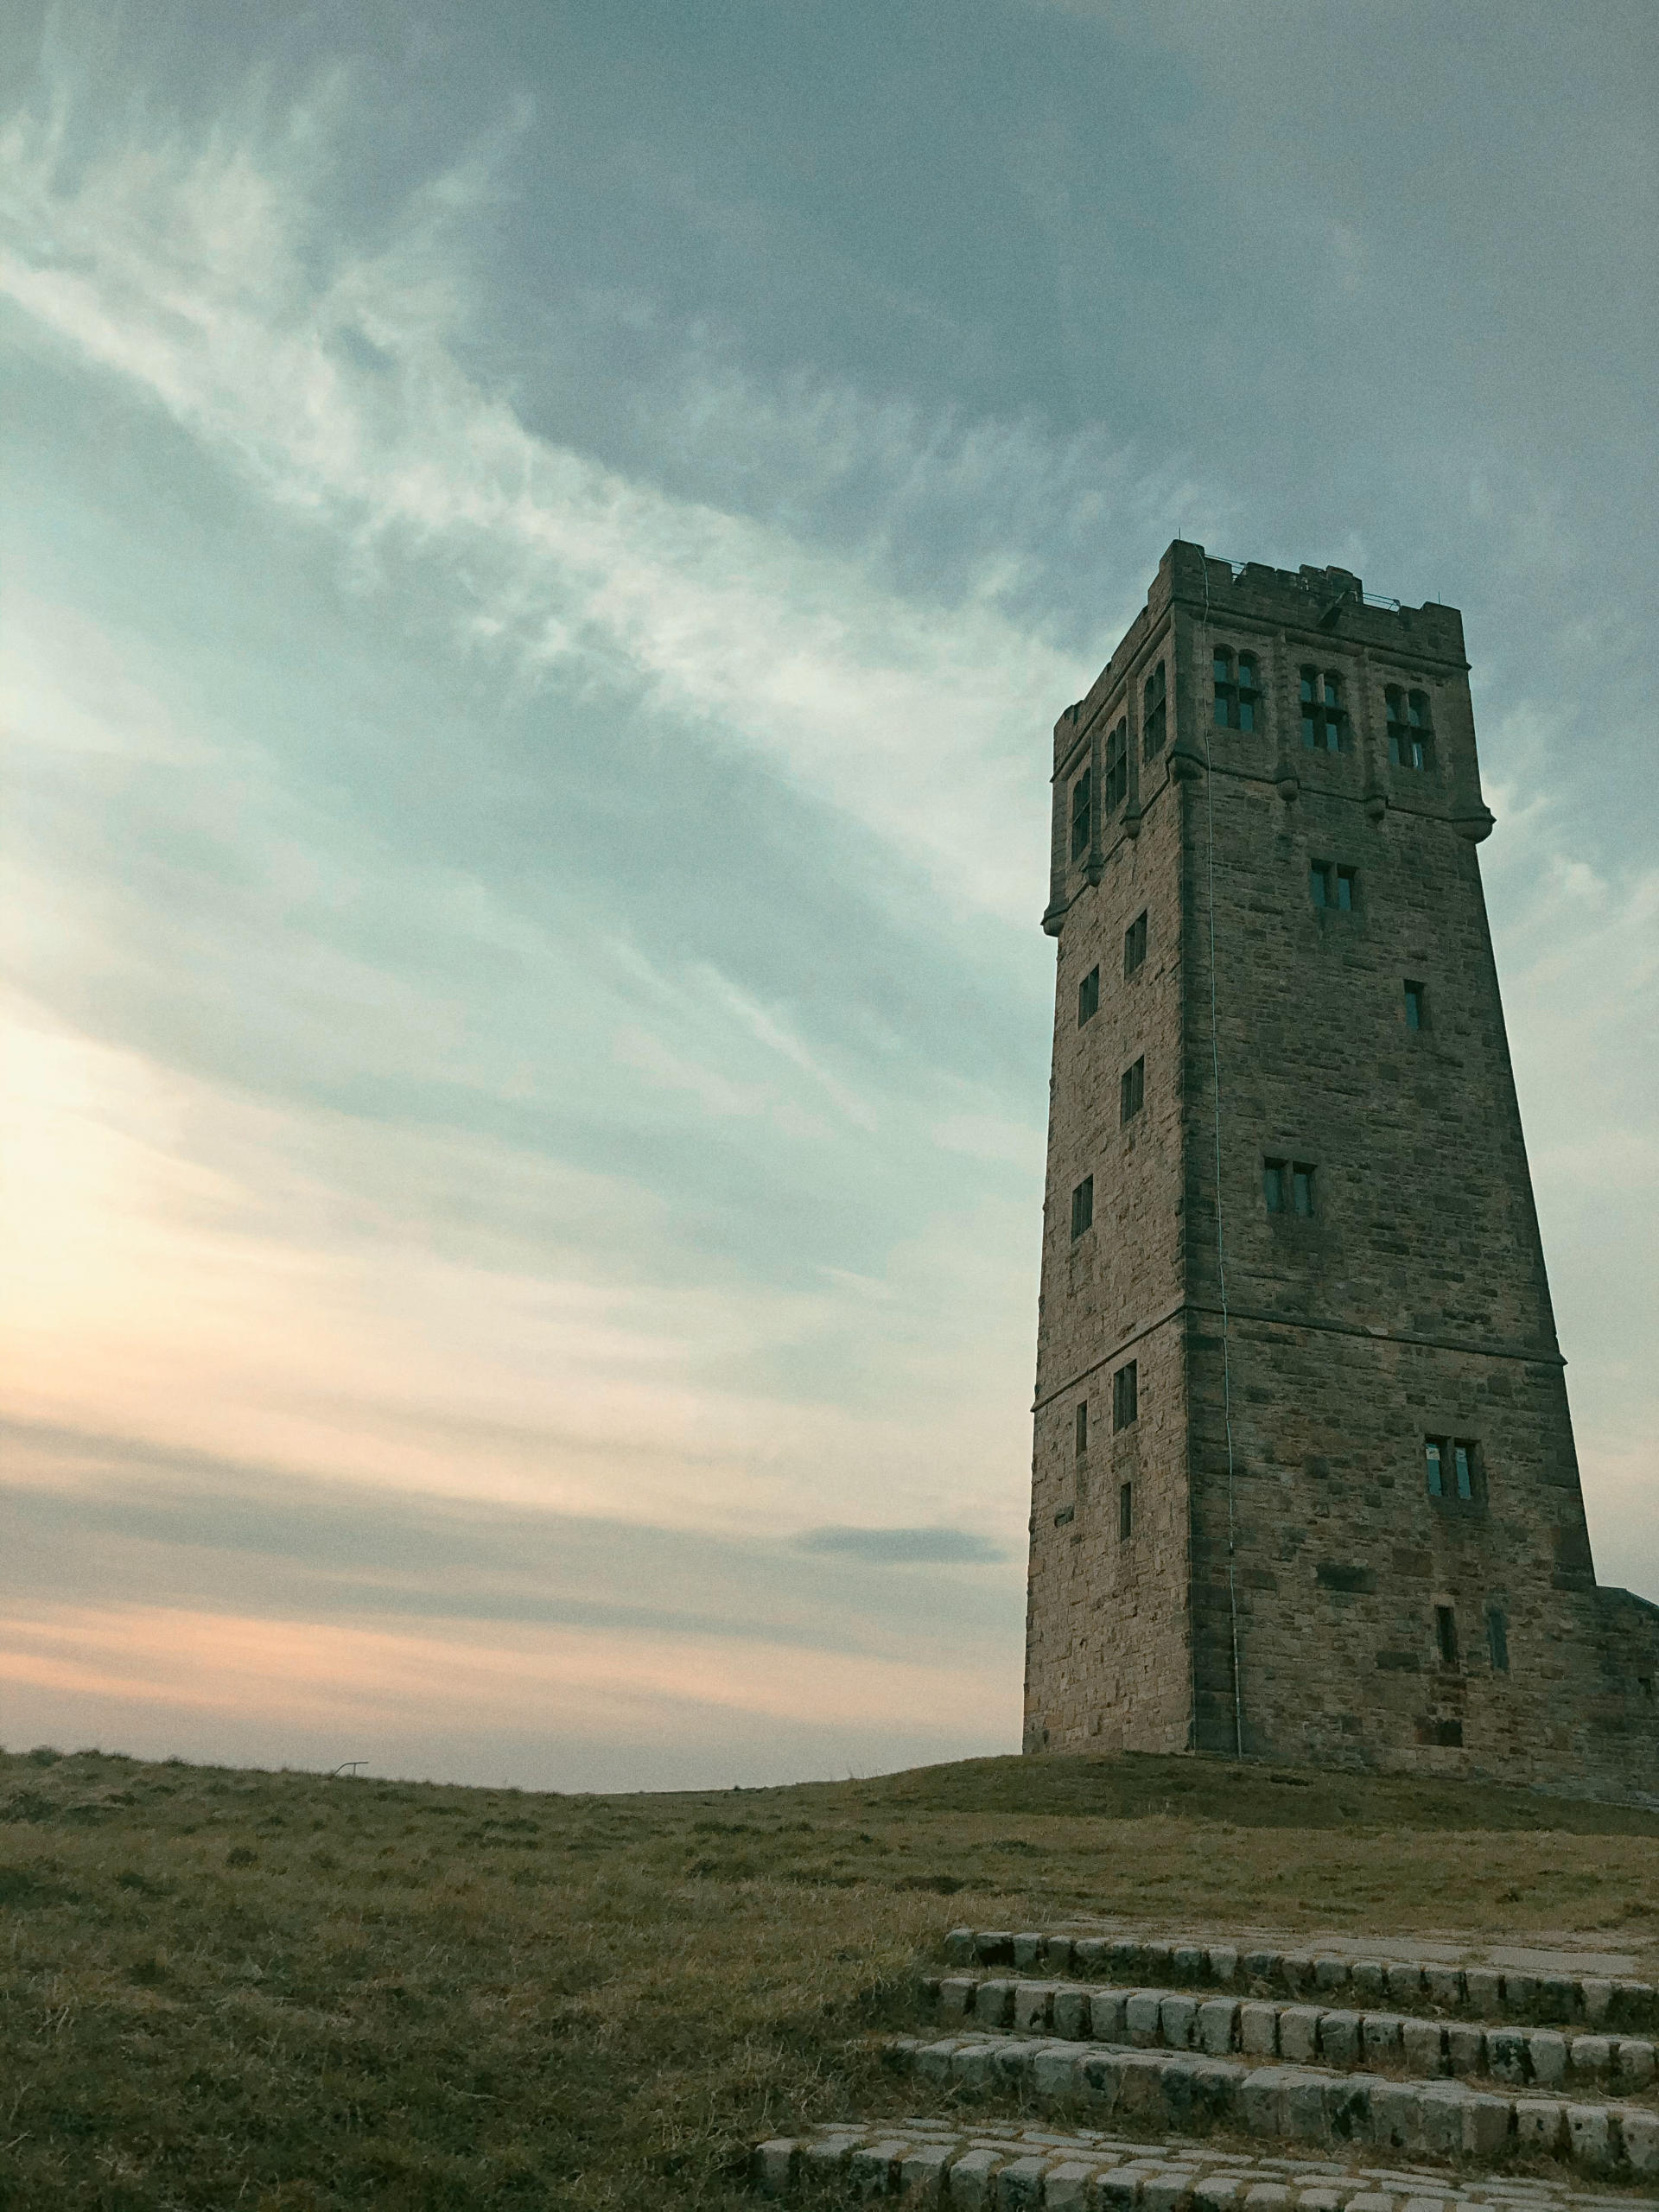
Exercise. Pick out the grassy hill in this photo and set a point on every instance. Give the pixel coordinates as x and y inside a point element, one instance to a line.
<point>268,1991</point>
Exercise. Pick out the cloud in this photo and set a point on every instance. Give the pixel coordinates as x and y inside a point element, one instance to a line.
<point>201,277</point>
<point>904,1547</point>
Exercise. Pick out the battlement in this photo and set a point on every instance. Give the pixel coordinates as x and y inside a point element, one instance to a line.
<point>1310,607</point>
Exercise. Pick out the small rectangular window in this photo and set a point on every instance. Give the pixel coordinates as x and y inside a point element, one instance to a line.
<point>1416,1005</point>
<point>1134,945</point>
<point>1445,1635</point>
<point>1125,1397</point>
<point>1329,886</point>
<point>1126,1512</point>
<point>1082,793</point>
<point>1497,1639</point>
<point>1274,1176</point>
<point>1133,1091</point>
<point>1082,1427</point>
<point>1301,1188</point>
<point>1082,1207</point>
<point>1089,997</point>
<point>1434,1464</point>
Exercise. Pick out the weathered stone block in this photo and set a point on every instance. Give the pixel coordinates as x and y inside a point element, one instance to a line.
<point>1483,1989</point>
<point>1089,1955</point>
<point>1068,2187</point>
<point>1440,2117</point>
<point>775,2165</point>
<point>1056,1955</point>
<point>1369,1980</point>
<point>973,2068</point>
<point>1054,2071</point>
<point>994,2005</point>
<point>959,1947</point>
<point>1546,2056</point>
<point>1030,2002</point>
<point>971,2182</point>
<point>1140,2019</point>
<point>1590,2137</point>
<point>1485,2124</point>
<point>1100,2079</point>
<point>1445,1986</point>
<point>1298,2033</point>
<point>1396,2116</point>
<point>1020,2186</point>
<point>1423,2043</point>
<point>1222,1964</point>
<point>1466,2049</point>
<point>1590,2058</point>
<point>1329,1974</point>
<point>1029,1951</point>
<point>956,1997</point>
<point>1596,1997</point>
<point>1405,1982</point>
<point>1640,2132</point>
<point>1217,2025</point>
<point>994,1946</point>
<point>1258,2029</point>
<point>1540,2125</point>
<point>1506,2056</point>
<point>1339,2038</point>
<point>1634,2066</point>
<point>1381,2039</point>
<point>1176,2017</point>
<point>922,2171</point>
<point>933,2060</point>
<point>1106,2015</point>
<point>1069,2013</point>
<point>872,2167</point>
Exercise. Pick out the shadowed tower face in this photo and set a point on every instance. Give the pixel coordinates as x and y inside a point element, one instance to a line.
<point>1304,1483</point>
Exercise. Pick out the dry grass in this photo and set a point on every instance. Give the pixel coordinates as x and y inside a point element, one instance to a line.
<point>276,1990</point>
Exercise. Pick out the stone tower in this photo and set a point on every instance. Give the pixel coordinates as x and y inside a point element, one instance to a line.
<point>1304,1483</point>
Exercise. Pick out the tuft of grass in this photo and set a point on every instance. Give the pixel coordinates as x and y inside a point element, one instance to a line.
<point>297,1993</point>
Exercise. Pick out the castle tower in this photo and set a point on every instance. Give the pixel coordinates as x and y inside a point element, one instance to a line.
<point>1304,1483</point>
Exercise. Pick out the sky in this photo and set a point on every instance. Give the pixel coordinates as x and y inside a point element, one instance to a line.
<point>541,549</point>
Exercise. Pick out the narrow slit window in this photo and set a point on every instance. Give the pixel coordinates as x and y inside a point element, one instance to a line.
<point>1133,1091</point>
<point>1416,1005</point>
<point>1082,1428</point>
<point>1324,719</point>
<point>1154,706</point>
<point>1125,1397</point>
<point>1082,1207</point>
<point>1117,767</point>
<point>1275,1178</point>
<point>1445,1635</point>
<point>1226,689</point>
<point>1125,1512</point>
<point>1434,1464</point>
<point>1081,796</point>
<point>1301,1189</point>
<point>1089,996</point>
<point>1134,945</point>
<point>1497,1639</point>
<point>1462,1471</point>
<point>1410,740</point>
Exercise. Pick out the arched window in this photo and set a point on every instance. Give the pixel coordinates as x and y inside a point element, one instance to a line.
<point>1153,702</point>
<point>1237,693</point>
<point>1324,718</point>
<point>1117,767</point>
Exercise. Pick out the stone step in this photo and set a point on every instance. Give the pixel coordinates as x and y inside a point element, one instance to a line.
<point>1266,2027</point>
<point>1406,1985</point>
<point>1302,2104</point>
<point>1018,2169</point>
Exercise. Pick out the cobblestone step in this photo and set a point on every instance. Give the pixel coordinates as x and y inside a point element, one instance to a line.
<point>1017,2169</point>
<point>1405,1984</point>
<point>1333,2036</point>
<point>1302,2104</point>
